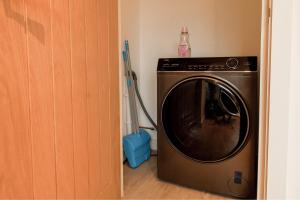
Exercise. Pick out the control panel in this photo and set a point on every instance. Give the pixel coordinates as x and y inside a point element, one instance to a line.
<point>208,64</point>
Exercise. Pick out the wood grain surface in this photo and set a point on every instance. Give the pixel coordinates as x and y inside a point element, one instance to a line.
<point>59,99</point>
<point>15,134</point>
<point>142,183</point>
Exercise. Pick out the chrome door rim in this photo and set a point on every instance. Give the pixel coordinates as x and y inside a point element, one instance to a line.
<point>224,84</point>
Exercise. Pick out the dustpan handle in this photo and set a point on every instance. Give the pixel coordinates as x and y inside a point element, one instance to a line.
<point>131,89</point>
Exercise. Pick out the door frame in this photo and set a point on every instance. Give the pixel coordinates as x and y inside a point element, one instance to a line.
<point>266,35</point>
<point>121,96</point>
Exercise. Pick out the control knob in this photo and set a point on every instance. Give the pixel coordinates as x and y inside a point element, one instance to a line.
<point>232,63</point>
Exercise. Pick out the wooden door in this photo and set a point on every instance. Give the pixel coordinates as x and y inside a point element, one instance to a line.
<point>59,99</point>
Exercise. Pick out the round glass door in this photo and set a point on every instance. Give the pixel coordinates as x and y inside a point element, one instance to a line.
<point>205,119</point>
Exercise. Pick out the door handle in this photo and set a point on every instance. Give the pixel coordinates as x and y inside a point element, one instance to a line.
<point>232,99</point>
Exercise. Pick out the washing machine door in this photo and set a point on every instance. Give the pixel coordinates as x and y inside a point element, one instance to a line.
<point>205,119</point>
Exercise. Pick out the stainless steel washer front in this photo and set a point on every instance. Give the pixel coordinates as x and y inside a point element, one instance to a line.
<point>207,127</point>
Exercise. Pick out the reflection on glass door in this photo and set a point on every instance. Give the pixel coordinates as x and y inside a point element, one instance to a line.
<point>205,119</point>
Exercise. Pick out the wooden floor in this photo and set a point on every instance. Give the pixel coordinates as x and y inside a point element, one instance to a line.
<point>142,183</point>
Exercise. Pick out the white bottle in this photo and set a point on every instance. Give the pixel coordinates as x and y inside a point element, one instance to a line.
<point>184,47</point>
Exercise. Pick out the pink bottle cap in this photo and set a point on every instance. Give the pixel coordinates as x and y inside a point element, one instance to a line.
<point>184,29</point>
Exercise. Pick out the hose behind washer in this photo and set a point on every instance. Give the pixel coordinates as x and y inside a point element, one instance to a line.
<point>141,101</point>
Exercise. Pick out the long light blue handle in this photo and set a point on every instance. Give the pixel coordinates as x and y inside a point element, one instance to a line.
<point>124,56</point>
<point>130,82</point>
<point>126,46</point>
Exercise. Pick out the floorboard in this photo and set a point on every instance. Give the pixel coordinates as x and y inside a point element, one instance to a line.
<point>142,183</point>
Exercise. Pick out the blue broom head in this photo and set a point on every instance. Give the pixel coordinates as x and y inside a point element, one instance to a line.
<point>137,148</point>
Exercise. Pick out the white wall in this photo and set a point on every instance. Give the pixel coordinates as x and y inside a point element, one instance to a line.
<point>217,28</point>
<point>293,165</point>
<point>129,25</point>
<point>279,98</point>
<point>284,148</point>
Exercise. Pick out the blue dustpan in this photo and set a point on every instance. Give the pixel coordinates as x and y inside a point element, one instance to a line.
<point>137,148</point>
<point>136,145</point>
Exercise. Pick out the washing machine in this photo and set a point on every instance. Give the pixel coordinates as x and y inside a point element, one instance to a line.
<point>208,124</point>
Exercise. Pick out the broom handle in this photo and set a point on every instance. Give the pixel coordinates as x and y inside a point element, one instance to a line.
<point>132,103</point>
<point>128,82</point>
<point>135,114</point>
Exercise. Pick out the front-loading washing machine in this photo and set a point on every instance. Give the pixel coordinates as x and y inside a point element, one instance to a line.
<point>208,124</point>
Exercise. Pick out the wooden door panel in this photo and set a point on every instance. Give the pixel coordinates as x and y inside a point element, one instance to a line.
<point>114,96</point>
<point>63,99</point>
<point>79,92</point>
<point>41,97</point>
<point>93,97</point>
<point>59,99</point>
<point>15,140</point>
<point>106,151</point>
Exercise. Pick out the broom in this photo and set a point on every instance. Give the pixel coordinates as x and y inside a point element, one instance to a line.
<point>137,144</point>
